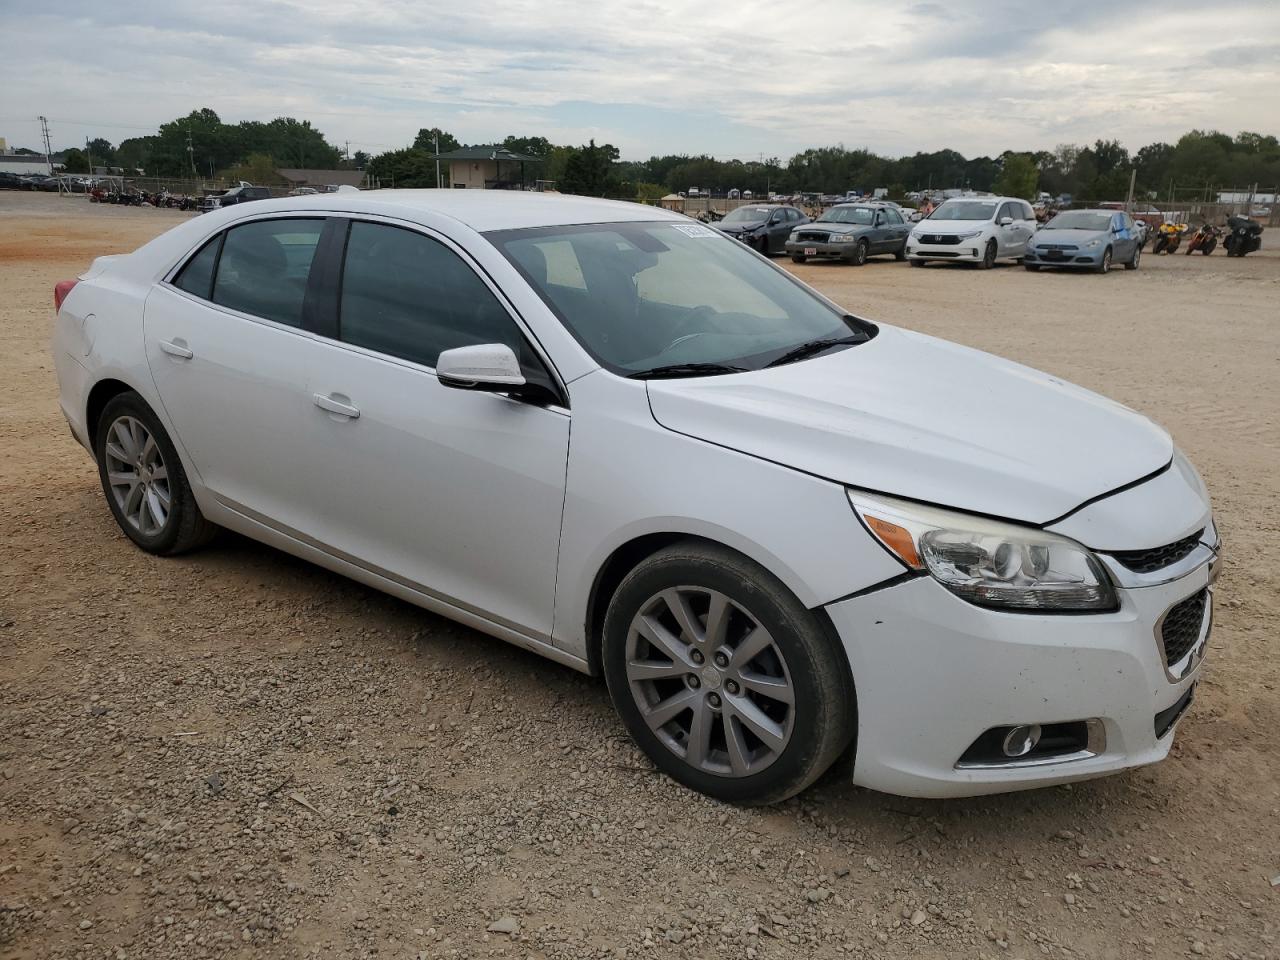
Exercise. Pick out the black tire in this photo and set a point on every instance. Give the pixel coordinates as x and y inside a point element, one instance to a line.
<point>988,256</point>
<point>185,527</point>
<point>1033,267</point>
<point>1137,258</point>
<point>1209,247</point>
<point>860,253</point>
<point>1158,247</point>
<point>798,258</point>
<point>915,262</point>
<point>763,246</point>
<point>1105,266</point>
<point>824,720</point>
<point>901,253</point>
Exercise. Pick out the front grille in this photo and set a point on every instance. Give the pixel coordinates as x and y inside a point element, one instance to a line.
<point>1157,558</point>
<point>813,237</point>
<point>939,238</point>
<point>1058,246</point>
<point>1181,627</point>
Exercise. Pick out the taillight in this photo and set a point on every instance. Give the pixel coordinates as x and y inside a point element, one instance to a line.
<point>60,291</point>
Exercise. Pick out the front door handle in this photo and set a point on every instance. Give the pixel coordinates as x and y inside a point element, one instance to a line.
<point>335,406</point>
<point>176,348</point>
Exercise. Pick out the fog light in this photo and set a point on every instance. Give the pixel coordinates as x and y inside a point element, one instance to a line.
<point>1020,741</point>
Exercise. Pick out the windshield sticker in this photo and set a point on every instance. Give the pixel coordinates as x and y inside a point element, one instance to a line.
<point>693,230</point>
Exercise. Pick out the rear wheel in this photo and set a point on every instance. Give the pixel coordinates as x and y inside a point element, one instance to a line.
<point>1137,258</point>
<point>722,676</point>
<point>1209,247</point>
<point>143,479</point>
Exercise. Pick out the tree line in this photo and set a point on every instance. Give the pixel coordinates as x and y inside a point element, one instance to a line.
<point>252,150</point>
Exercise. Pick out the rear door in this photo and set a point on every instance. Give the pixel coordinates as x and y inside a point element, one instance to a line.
<point>224,341</point>
<point>896,230</point>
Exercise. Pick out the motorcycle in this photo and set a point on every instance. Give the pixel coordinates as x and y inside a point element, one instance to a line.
<point>1204,239</point>
<point>1245,236</point>
<point>1168,237</point>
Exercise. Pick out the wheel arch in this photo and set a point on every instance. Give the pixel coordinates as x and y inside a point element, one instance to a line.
<point>627,556</point>
<point>100,395</point>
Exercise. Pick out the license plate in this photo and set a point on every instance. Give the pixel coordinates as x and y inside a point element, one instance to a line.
<point>1055,255</point>
<point>810,251</point>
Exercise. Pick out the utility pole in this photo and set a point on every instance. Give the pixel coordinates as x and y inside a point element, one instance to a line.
<point>346,151</point>
<point>436,140</point>
<point>1128,203</point>
<point>48,149</point>
<point>88,155</point>
<point>191,157</point>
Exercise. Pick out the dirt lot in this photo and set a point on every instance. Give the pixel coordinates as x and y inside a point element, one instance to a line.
<point>237,754</point>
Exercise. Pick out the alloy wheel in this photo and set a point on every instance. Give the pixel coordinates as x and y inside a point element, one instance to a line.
<point>710,681</point>
<point>138,476</point>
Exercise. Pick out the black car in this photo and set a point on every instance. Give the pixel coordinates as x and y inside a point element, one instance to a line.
<point>241,194</point>
<point>10,181</point>
<point>763,226</point>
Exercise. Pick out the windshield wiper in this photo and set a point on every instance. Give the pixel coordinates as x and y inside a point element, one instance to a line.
<point>684,370</point>
<point>812,347</point>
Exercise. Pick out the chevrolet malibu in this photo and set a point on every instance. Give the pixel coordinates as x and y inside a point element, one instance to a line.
<point>616,437</point>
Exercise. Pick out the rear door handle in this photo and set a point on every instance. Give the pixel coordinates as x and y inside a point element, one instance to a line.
<point>176,348</point>
<point>335,406</point>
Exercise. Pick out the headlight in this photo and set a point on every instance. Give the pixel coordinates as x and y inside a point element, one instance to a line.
<point>1091,244</point>
<point>970,234</point>
<point>840,238</point>
<point>987,562</point>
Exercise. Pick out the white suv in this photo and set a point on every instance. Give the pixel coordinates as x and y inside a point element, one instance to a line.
<point>977,230</point>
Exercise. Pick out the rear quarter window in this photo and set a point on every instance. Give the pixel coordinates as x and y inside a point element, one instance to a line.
<point>196,278</point>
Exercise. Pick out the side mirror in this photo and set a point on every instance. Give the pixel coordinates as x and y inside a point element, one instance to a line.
<point>485,366</point>
<point>1005,221</point>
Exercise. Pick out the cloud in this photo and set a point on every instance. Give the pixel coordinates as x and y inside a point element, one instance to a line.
<point>731,79</point>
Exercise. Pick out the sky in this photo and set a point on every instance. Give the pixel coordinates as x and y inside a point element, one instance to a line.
<point>730,78</point>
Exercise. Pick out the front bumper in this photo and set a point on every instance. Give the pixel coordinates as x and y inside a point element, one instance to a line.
<point>933,673</point>
<point>966,251</point>
<point>841,251</point>
<point>1080,257</point>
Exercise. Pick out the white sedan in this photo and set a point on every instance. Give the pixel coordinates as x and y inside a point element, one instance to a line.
<point>614,436</point>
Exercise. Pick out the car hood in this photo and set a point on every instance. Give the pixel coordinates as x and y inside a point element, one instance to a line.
<point>740,227</point>
<point>1078,237</point>
<point>921,418</point>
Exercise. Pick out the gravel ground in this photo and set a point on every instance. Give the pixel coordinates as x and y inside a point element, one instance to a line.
<point>237,754</point>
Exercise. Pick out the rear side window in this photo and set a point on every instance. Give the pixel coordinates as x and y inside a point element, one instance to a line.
<point>408,296</point>
<point>264,267</point>
<point>892,215</point>
<point>197,276</point>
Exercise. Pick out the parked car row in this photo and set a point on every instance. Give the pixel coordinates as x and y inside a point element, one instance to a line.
<point>980,231</point>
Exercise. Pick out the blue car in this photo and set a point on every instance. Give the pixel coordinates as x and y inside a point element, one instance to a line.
<point>1088,239</point>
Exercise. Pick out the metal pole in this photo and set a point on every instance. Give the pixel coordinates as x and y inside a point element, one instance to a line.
<point>1128,204</point>
<point>436,141</point>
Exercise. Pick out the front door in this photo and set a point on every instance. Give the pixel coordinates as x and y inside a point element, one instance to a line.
<point>453,492</point>
<point>225,348</point>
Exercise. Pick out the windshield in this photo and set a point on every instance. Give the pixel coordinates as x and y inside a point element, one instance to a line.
<point>862,215</point>
<point>748,215</point>
<point>965,210</point>
<point>1080,220</point>
<point>644,295</point>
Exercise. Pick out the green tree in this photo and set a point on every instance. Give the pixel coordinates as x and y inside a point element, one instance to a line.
<point>75,161</point>
<point>101,153</point>
<point>587,170</point>
<point>409,167</point>
<point>258,169</point>
<point>426,140</point>
<point>134,153</point>
<point>1018,177</point>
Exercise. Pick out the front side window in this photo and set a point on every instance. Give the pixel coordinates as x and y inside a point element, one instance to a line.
<point>639,296</point>
<point>409,296</point>
<point>264,267</point>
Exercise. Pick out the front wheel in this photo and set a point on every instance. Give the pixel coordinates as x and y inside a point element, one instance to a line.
<point>988,256</point>
<point>915,262</point>
<point>798,258</point>
<point>1209,247</point>
<point>143,479</point>
<point>1158,247</point>
<point>723,678</point>
<point>901,254</point>
<point>1033,267</point>
<point>859,255</point>
<point>1105,265</point>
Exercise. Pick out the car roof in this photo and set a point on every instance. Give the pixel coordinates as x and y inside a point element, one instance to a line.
<point>481,210</point>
